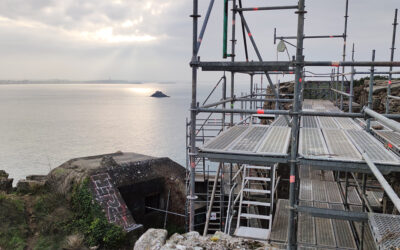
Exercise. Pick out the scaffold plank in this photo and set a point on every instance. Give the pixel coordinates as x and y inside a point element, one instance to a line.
<point>223,140</point>
<point>352,196</point>
<point>373,148</point>
<point>327,122</point>
<point>390,136</point>
<point>312,144</point>
<point>306,190</point>
<point>324,229</point>
<point>347,123</point>
<point>280,121</point>
<point>276,142</point>
<point>309,122</point>
<point>306,226</point>
<point>304,172</point>
<point>250,139</point>
<point>319,191</point>
<point>280,224</point>
<point>343,233</point>
<point>333,192</point>
<point>339,146</point>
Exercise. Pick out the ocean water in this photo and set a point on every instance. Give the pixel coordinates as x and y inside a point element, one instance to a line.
<point>44,125</point>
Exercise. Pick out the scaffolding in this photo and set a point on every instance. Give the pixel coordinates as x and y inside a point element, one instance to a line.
<point>336,160</point>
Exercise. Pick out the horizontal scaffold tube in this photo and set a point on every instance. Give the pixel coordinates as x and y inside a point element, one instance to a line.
<point>284,65</point>
<point>278,112</point>
<point>386,121</point>
<point>341,92</point>
<point>308,37</point>
<point>288,7</point>
<point>245,100</point>
<point>332,213</point>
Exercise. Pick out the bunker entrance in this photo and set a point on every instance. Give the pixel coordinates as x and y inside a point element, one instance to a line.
<point>142,200</point>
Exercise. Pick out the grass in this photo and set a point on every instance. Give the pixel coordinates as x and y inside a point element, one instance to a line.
<point>14,228</point>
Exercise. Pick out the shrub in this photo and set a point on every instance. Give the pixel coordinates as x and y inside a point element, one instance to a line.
<point>91,220</point>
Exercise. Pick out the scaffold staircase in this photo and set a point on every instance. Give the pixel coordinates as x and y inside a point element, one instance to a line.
<point>256,198</point>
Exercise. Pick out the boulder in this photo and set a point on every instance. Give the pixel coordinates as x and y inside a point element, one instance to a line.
<point>152,239</point>
<point>29,186</point>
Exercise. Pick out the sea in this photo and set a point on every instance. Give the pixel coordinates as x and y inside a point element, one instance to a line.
<point>44,125</point>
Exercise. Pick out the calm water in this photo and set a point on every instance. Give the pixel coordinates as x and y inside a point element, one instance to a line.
<point>43,125</point>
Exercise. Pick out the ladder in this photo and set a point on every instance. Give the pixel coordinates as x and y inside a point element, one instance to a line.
<point>256,197</point>
<point>216,220</point>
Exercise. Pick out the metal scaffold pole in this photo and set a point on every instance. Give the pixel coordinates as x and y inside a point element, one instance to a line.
<point>233,41</point>
<point>351,83</point>
<point>391,59</point>
<point>295,126</point>
<point>193,106</point>
<point>346,16</point>
<point>371,90</point>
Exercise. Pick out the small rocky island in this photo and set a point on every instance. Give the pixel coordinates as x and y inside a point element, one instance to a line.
<point>159,94</point>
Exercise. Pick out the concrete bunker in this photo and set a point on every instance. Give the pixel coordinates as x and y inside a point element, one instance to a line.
<point>133,190</point>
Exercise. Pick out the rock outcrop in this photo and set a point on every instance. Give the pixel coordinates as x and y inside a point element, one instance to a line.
<point>158,94</point>
<point>5,182</point>
<point>194,241</point>
<point>153,239</point>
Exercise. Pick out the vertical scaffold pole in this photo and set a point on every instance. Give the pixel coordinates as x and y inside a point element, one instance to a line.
<point>391,59</point>
<point>346,16</point>
<point>351,83</point>
<point>193,105</point>
<point>371,90</point>
<point>233,55</point>
<point>223,98</point>
<point>251,90</point>
<point>295,126</point>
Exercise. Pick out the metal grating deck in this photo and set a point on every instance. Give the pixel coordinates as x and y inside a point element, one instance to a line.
<point>309,122</point>
<point>250,139</point>
<point>280,224</point>
<point>277,141</point>
<point>280,121</point>
<point>324,229</point>
<point>340,146</point>
<point>375,150</point>
<point>386,230</point>
<point>312,143</point>
<point>343,233</point>
<point>391,137</point>
<point>327,122</point>
<point>306,227</point>
<point>224,139</point>
<point>347,123</point>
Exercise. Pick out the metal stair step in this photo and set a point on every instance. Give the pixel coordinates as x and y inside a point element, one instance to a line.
<point>256,216</point>
<point>253,233</point>
<point>257,203</point>
<point>261,191</point>
<point>259,167</point>
<point>250,178</point>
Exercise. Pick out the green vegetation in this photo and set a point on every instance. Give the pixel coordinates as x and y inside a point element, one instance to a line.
<point>46,220</point>
<point>91,221</point>
<point>14,228</point>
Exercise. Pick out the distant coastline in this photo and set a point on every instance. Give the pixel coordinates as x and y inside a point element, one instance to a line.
<point>58,81</point>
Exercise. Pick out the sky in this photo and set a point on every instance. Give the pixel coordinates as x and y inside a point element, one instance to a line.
<point>150,40</point>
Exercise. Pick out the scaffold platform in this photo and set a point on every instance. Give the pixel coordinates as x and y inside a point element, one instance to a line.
<point>338,141</point>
